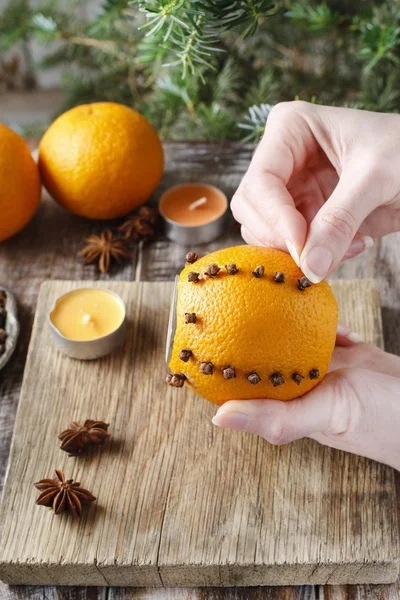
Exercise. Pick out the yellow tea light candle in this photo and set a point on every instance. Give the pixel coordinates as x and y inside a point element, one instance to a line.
<point>88,323</point>
<point>87,314</point>
<point>194,213</point>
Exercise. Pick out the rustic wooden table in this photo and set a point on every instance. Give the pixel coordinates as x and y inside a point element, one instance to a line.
<point>48,249</point>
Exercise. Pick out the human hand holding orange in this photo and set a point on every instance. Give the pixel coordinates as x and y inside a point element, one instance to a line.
<point>355,408</point>
<point>320,183</point>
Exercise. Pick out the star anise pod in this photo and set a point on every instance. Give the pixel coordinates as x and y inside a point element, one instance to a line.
<point>149,214</point>
<point>77,437</point>
<point>141,225</point>
<point>63,495</point>
<point>104,248</point>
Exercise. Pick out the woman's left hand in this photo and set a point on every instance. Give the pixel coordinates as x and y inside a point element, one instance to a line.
<point>355,408</point>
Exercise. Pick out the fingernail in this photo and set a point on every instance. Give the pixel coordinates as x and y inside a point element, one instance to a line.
<point>354,337</point>
<point>346,332</point>
<point>293,252</point>
<point>368,241</point>
<point>343,330</point>
<point>231,420</point>
<point>317,263</point>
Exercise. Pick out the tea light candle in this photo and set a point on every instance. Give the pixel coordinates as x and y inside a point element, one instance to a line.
<point>88,323</point>
<point>194,213</point>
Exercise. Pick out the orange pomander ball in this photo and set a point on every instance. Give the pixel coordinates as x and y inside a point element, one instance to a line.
<point>250,325</point>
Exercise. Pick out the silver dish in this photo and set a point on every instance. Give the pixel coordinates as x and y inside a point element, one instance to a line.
<point>12,327</point>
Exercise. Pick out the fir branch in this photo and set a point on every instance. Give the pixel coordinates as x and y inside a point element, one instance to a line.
<point>254,123</point>
<point>194,50</point>
<point>265,88</point>
<point>380,93</point>
<point>317,19</point>
<point>214,120</point>
<point>228,83</point>
<point>379,42</point>
<point>189,30</point>
<point>246,14</point>
<point>326,52</point>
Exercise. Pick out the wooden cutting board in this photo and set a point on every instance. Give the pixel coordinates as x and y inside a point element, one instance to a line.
<point>181,502</point>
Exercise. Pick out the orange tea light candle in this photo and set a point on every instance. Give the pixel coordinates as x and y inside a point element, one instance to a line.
<point>88,323</point>
<point>194,213</point>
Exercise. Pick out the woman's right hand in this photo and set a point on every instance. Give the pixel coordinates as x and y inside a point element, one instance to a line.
<point>321,182</point>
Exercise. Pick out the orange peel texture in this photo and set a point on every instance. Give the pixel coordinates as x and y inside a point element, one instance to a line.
<point>256,332</point>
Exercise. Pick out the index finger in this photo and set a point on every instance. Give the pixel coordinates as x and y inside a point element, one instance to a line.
<point>262,202</point>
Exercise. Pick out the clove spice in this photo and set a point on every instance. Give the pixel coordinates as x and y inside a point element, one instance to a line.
<point>254,378</point>
<point>258,272</point>
<point>212,270</point>
<point>193,277</point>
<point>191,257</point>
<point>231,269</point>
<point>297,378</point>
<point>276,379</point>
<point>207,368</point>
<point>303,283</point>
<point>279,277</point>
<point>190,317</point>
<point>176,379</point>
<point>314,374</point>
<point>229,372</point>
<point>185,355</point>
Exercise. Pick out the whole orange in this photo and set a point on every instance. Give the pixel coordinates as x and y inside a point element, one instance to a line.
<point>19,183</point>
<point>253,330</point>
<point>101,160</point>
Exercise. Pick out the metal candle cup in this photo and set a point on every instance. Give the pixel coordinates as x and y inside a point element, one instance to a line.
<point>209,213</point>
<point>93,348</point>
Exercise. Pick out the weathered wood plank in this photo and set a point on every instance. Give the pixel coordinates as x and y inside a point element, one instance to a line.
<point>382,263</point>
<point>364,592</point>
<point>137,440</point>
<point>25,592</point>
<point>260,593</point>
<point>195,505</point>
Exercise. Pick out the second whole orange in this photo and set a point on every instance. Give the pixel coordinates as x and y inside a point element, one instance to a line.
<point>101,160</point>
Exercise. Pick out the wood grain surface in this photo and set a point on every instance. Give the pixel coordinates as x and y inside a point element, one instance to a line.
<point>48,248</point>
<point>180,502</point>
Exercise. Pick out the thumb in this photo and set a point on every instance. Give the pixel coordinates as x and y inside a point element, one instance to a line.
<point>333,228</point>
<point>283,422</point>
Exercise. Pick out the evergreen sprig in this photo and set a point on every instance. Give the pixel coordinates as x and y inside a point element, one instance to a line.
<point>244,14</point>
<point>254,122</point>
<point>211,69</point>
